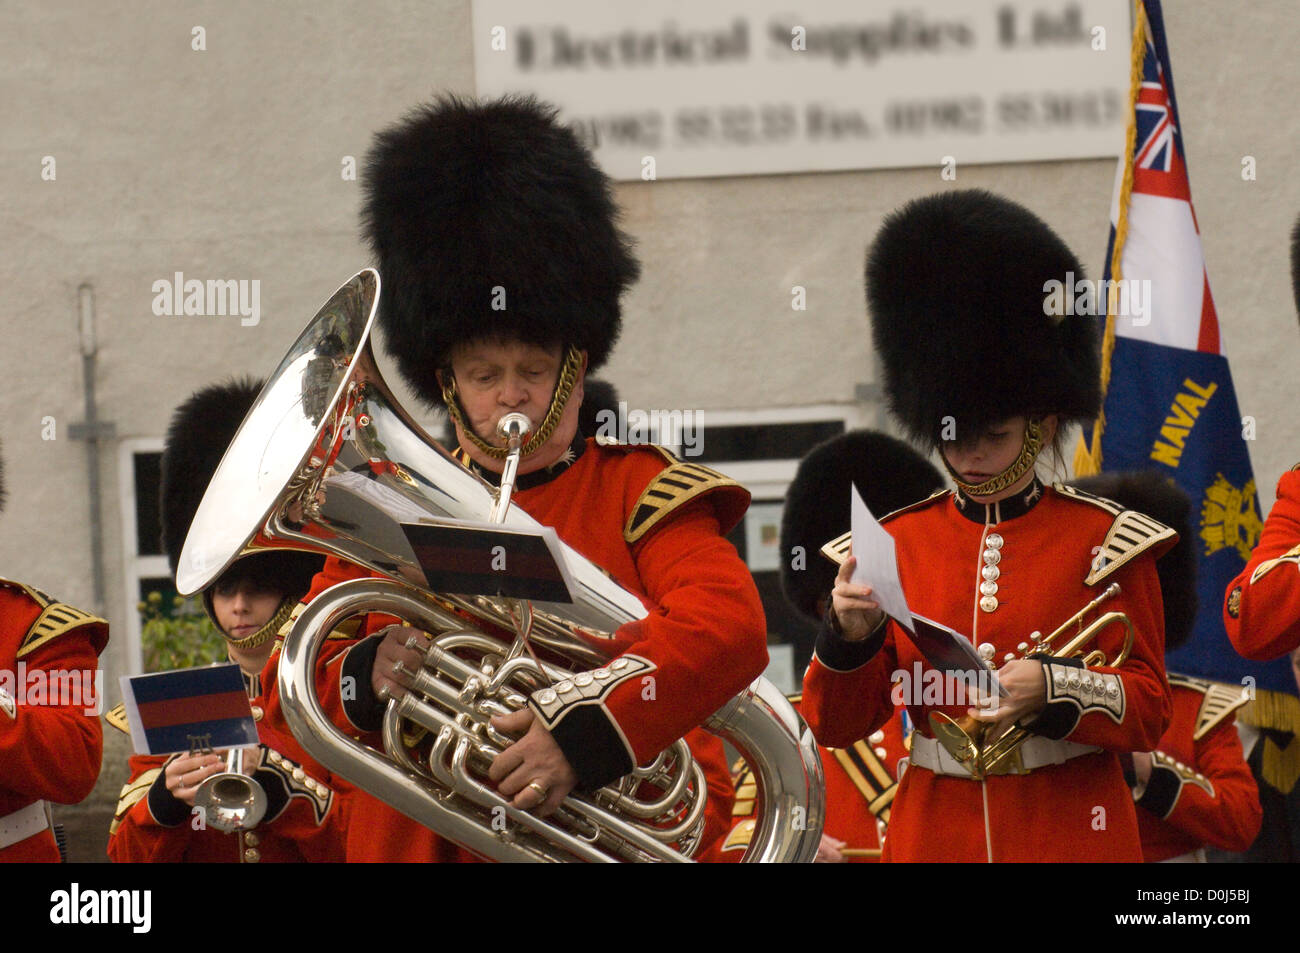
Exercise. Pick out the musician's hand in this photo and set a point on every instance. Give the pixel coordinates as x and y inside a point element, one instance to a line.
<point>828,851</point>
<point>1142,766</point>
<point>534,758</point>
<point>857,614</point>
<point>391,651</point>
<point>185,773</point>
<point>1026,696</point>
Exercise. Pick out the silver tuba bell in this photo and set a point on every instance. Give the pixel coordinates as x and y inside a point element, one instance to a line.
<point>328,461</point>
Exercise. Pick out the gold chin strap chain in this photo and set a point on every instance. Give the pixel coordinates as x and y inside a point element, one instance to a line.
<point>267,631</point>
<point>1029,450</point>
<point>563,388</point>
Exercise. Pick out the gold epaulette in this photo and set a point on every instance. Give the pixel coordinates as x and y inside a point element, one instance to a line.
<point>116,716</point>
<point>56,618</point>
<point>133,792</point>
<point>840,548</point>
<point>1130,534</point>
<point>1290,556</point>
<point>870,776</point>
<point>1218,703</point>
<point>675,485</point>
<point>746,794</point>
<point>347,629</point>
<point>740,835</point>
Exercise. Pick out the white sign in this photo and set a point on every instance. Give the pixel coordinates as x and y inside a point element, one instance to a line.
<point>675,89</point>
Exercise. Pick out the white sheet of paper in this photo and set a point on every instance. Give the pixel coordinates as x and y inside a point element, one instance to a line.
<point>877,563</point>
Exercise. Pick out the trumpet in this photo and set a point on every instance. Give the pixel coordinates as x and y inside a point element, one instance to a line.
<point>328,461</point>
<point>232,800</point>
<point>966,739</point>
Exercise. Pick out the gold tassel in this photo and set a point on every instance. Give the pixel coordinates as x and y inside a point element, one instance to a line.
<point>1278,711</point>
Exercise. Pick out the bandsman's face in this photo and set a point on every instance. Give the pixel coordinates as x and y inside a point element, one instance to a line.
<point>243,607</point>
<point>988,454</point>
<point>495,378</point>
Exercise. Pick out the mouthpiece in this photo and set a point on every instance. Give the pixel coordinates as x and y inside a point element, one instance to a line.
<point>512,428</point>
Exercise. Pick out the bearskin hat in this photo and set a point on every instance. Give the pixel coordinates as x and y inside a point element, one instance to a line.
<point>1295,263</point>
<point>201,429</point>
<point>1150,493</point>
<point>597,396</point>
<point>957,285</point>
<point>491,220</point>
<point>887,472</point>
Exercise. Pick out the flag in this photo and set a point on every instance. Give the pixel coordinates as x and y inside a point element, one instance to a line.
<point>1169,403</point>
<point>189,709</point>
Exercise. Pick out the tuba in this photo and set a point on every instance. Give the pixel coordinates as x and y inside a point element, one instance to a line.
<point>328,461</point>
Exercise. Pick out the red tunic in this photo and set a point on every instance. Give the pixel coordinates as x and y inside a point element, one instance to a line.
<point>306,819</point>
<point>1261,607</point>
<point>50,748</point>
<point>1081,810</point>
<point>705,633</point>
<point>1201,791</point>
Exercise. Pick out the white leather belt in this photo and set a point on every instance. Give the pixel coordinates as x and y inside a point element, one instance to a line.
<point>23,823</point>
<point>1036,752</point>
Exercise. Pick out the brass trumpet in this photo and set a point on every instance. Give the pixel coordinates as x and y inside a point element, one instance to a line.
<point>966,739</point>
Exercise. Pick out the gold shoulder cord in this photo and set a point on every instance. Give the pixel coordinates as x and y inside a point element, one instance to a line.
<point>1029,450</point>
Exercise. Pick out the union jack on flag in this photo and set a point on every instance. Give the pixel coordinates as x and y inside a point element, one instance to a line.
<point>1156,127</point>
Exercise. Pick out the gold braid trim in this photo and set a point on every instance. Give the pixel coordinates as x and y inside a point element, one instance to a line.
<point>563,389</point>
<point>1279,711</point>
<point>262,635</point>
<point>1087,459</point>
<point>1029,449</point>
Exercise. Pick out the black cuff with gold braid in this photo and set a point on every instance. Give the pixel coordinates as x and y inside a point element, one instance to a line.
<point>838,653</point>
<point>1072,692</point>
<point>1168,776</point>
<point>574,712</point>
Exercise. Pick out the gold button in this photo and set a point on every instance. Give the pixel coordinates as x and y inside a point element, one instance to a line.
<point>299,774</point>
<point>251,856</point>
<point>250,839</point>
<point>257,713</point>
<point>989,603</point>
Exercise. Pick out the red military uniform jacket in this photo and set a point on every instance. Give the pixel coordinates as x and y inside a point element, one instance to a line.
<point>304,821</point>
<point>655,525</point>
<point>861,781</point>
<point>1261,608</point>
<point>51,745</point>
<point>996,573</point>
<point>1201,791</point>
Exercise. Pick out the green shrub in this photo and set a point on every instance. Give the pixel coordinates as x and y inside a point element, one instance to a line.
<point>179,636</point>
